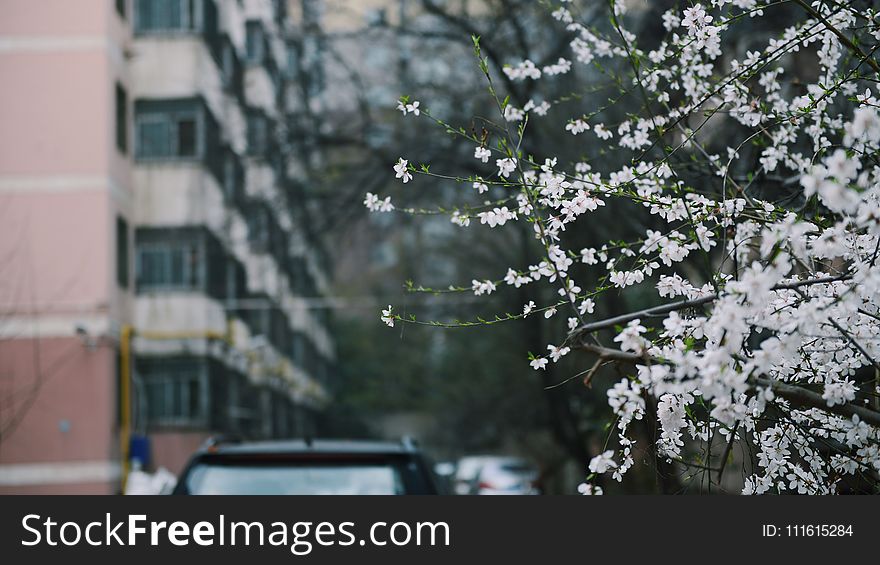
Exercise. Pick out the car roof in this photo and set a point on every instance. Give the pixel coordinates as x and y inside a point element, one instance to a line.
<point>303,446</point>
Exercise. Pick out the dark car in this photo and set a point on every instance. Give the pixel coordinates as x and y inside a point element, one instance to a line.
<point>308,467</point>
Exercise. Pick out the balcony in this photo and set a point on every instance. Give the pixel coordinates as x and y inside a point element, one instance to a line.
<point>206,65</point>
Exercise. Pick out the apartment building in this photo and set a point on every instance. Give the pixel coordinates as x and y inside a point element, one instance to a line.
<point>160,271</point>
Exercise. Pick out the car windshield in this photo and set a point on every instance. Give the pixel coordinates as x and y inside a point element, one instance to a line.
<point>294,479</point>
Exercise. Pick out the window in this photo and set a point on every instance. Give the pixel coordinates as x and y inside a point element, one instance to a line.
<point>166,15</point>
<point>292,60</point>
<point>231,282</point>
<point>232,177</point>
<point>154,137</point>
<point>169,130</point>
<point>258,227</point>
<point>258,133</point>
<point>228,64</point>
<point>309,478</point>
<point>186,137</point>
<point>121,119</point>
<point>280,8</point>
<point>122,263</point>
<point>171,265</point>
<point>173,393</point>
<point>255,42</point>
<point>376,17</point>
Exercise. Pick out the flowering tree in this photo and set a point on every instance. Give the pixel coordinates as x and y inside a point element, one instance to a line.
<point>763,251</point>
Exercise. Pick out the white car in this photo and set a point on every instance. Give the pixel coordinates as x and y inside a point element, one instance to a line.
<point>493,474</point>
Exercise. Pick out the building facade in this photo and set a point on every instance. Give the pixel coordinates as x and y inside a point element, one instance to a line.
<point>160,267</point>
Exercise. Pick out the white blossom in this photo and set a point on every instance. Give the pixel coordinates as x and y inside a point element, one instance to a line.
<point>401,169</point>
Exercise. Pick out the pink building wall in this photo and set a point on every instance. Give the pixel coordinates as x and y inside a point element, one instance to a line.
<point>65,406</point>
<point>62,184</point>
<point>53,17</point>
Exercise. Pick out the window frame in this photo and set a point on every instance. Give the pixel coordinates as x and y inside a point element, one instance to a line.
<point>191,18</point>
<point>170,380</point>
<point>172,118</point>
<point>195,274</point>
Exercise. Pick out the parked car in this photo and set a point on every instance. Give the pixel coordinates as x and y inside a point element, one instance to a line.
<point>466,473</point>
<point>308,467</point>
<point>492,474</point>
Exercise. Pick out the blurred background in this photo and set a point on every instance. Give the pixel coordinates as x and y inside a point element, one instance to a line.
<point>184,249</point>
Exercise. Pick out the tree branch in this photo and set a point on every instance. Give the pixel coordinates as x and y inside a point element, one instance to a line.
<point>578,333</point>
<point>804,397</point>
<point>843,39</point>
<point>795,394</point>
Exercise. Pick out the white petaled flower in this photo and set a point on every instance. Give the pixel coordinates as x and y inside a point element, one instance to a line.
<point>375,204</point>
<point>539,363</point>
<point>588,256</point>
<point>577,127</point>
<point>482,154</point>
<point>557,353</point>
<point>587,306</point>
<point>561,67</point>
<point>695,18</point>
<point>401,169</point>
<point>514,114</point>
<point>527,309</point>
<point>506,166</point>
<point>587,489</point>
<point>539,109</point>
<point>409,108</point>
<point>496,216</point>
<point>388,317</point>
<point>603,463</point>
<point>524,70</point>
<point>482,287</point>
<point>631,339</point>
<point>460,219</point>
<point>839,392</point>
<point>601,132</point>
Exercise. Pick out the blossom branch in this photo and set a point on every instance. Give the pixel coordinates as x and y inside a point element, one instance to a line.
<point>792,393</point>
<point>579,333</point>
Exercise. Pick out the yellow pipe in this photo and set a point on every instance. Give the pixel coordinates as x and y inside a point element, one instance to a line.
<point>158,336</point>
<point>125,398</point>
<point>230,332</point>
